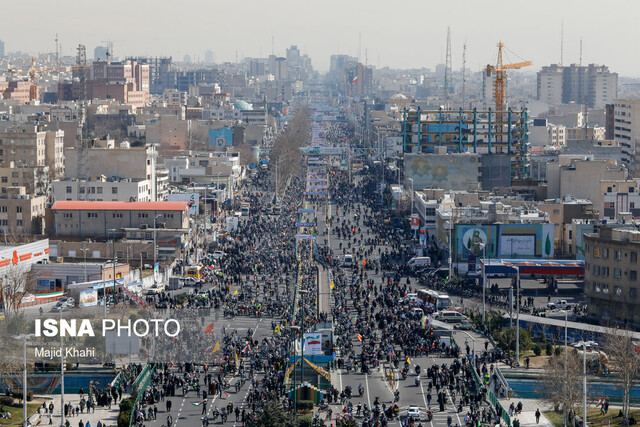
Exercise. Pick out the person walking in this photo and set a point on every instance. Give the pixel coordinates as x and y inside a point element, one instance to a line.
<point>537,416</point>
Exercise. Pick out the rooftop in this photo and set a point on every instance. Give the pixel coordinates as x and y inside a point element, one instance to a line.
<point>80,205</point>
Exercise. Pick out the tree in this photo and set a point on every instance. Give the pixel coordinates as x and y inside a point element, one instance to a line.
<point>623,361</point>
<point>16,283</point>
<point>563,389</point>
<point>274,415</point>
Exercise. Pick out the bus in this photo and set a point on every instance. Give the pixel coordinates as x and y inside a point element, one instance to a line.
<point>245,207</point>
<point>195,271</point>
<point>434,301</point>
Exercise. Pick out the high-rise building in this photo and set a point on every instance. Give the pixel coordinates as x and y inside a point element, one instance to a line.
<point>209,57</point>
<point>593,85</point>
<point>1,48</point>
<point>364,84</point>
<point>100,53</point>
<point>280,70</point>
<point>626,130</point>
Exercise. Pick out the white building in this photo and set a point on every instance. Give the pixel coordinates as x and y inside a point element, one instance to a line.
<point>107,190</point>
<point>174,97</point>
<point>627,127</point>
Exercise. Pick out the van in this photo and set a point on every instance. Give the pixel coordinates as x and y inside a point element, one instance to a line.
<point>449,316</point>
<point>348,261</point>
<point>419,262</point>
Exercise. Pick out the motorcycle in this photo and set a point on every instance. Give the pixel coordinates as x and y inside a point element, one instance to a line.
<point>361,390</point>
<point>223,417</point>
<point>417,380</point>
<point>429,414</point>
<point>396,396</point>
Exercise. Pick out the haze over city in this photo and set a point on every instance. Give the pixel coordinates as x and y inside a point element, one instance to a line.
<point>395,34</point>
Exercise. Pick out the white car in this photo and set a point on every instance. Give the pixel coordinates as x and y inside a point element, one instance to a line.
<point>414,412</point>
<point>218,254</point>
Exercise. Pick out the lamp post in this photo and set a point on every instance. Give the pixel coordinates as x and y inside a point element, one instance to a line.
<point>155,246</point>
<point>411,179</point>
<point>484,281</point>
<point>114,272</point>
<point>474,344</point>
<point>517,315</point>
<point>85,262</point>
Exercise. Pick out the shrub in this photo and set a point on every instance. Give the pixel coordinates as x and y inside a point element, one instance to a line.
<point>557,351</point>
<point>305,405</point>
<point>304,421</point>
<point>18,395</point>
<point>126,405</point>
<point>6,401</point>
<point>124,418</point>
<point>548,350</point>
<point>537,350</point>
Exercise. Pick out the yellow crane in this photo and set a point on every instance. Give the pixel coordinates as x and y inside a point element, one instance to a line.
<point>501,76</point>
<point>32,71</point>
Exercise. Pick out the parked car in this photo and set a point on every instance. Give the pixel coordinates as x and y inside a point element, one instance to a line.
<point>560,304</point>
<point>155,289</point>
<point>465,325</point>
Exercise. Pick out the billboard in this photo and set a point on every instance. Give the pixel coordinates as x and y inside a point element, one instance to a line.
<point>504,241</point>
<point>312,343</point>
<point>192,198</point>
<point>88,298</point>
<point>446,171</point>
<point>221,138</point>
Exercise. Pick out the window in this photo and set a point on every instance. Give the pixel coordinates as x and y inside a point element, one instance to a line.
<point>633,275</point>
<point>117,215</point>
<point>632,205</point>
<point>596,287</point>
<point>596,270</point>
<point>99,190</point>
<point>617,273</point>
<point>143,215</point>
<point>605,253</point>
<point>92,215</point>
<point>618,255</point>
<point>67,215</point>
<point>114,190</point>
<point>596,252</point>
<point>5,179</point>
<point>82,190</point>
<point>19,223</point>
<point>170,216</point>
<point>69,189</point>
<point>3,209</point>
<point>633,257</point>
<point>633,293</point>
<point>604,271</point>
<point>605,288</point>
<point>617,290</point>
<point>19,209</point>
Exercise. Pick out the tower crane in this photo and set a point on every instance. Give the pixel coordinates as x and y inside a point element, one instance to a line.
<point>32,71</point>
<point>500,83</point>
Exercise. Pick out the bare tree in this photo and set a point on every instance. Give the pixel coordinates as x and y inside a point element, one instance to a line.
<point>563,388</point>
<point>16,284</point>
<point>623,361</point>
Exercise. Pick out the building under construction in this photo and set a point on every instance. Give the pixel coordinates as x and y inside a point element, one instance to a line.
<point>500,138</point>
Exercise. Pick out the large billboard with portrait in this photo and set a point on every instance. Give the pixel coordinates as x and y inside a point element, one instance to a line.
<point>504,241</point>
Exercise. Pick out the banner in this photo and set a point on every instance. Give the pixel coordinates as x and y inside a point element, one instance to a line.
<point>312,343</point>
<point>415,221</point>
<point>305,224</point>
<point>305,237</point>
<point>88,298</point>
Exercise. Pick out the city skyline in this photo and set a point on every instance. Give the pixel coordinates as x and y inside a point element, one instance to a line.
<point>414,37</point>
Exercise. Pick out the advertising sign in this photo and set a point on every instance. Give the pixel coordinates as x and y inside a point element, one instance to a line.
<point>192,198</point>
<point>88,298</point>
<point>415,221</point>
<point>313,343</point>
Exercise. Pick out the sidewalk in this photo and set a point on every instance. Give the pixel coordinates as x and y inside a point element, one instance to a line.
<point>528,415</point>
<point>108,417</point>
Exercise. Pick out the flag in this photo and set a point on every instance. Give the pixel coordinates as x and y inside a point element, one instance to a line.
<point>600,402</point>
<point>209,329</point>
<point>355,79</point>
<point>217,347</point>
<point>200,403</point>
<point>246,349</point>
<point>277,330</point>
<point>408,361</point>
<point>235,292</point>
<point>360,337</point>
<point>236,357</point>
<point>226,394</point>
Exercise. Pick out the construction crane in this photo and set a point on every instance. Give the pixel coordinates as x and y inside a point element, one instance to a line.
<point>500,83</point>
<point>32,71</point>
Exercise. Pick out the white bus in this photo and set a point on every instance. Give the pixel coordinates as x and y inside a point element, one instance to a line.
<point>433,301</point>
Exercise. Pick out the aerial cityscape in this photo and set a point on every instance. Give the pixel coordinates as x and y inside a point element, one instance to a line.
<point>338,214</point>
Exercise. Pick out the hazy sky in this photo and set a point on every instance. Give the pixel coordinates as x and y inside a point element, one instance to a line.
<point>394,33</point>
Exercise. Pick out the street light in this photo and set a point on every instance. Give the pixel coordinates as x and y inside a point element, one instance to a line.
<point>484,281</point>
<point>517,268</point>
<point>474,344</point>
<point>85,262</point>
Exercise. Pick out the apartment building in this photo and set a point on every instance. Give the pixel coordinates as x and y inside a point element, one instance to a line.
<point>21,213</point>
<point>102,189</point>
<point>96,219</point>
<point>591,84</point>
<point>626,129</point>
<point>35,180</point>
<point>32,146</point>
<point>611,275</point>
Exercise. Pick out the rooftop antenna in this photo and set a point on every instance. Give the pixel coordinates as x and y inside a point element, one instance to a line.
<point>359,44</point>
<point>464,70</point>
<point>562,42</point>
<point>581,51</point>
<point>447,66</point>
